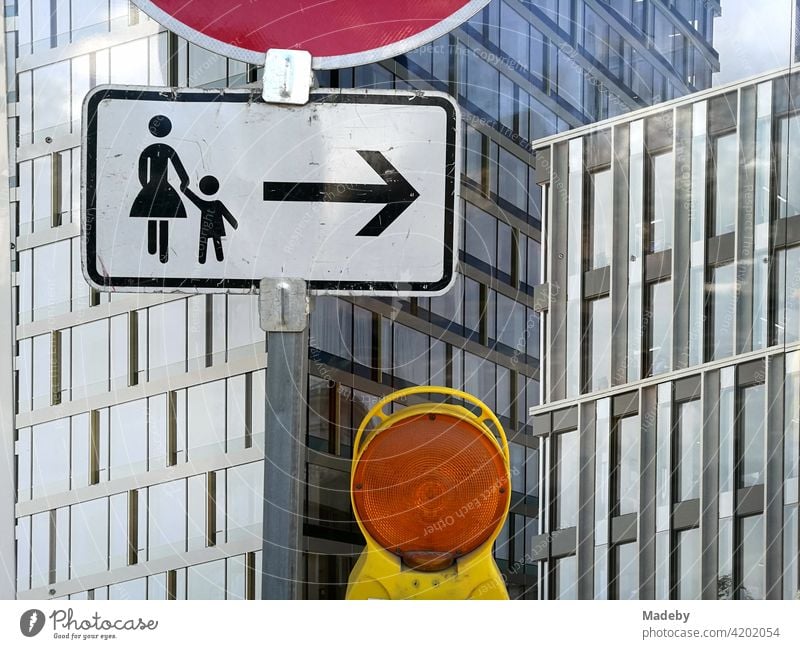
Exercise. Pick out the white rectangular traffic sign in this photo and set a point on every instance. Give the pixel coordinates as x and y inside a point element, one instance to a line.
<point>208,190</point>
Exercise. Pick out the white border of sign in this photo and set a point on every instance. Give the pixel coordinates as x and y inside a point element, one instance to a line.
<point>318,62</point>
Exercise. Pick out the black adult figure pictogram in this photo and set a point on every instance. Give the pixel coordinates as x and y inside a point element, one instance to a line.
<point>213,215</point>
<point>158,201</point>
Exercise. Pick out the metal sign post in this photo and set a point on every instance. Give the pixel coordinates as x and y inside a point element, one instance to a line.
<point>283,306</point>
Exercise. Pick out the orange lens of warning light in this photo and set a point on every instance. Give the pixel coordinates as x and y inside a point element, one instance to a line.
<point>431,488</point>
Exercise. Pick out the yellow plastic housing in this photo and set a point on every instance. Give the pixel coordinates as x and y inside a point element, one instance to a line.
<point>380,574</point>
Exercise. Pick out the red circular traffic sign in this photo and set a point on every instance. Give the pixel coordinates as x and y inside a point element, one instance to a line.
<point>338,33</point>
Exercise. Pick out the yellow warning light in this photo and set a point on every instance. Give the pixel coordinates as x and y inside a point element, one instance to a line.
<point>430,488</point>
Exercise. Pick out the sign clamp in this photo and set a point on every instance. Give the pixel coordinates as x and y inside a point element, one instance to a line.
<point>288,77</point>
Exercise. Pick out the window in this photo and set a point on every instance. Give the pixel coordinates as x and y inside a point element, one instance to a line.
<point>791,556</point>
<point>726,165</point>
<point>659,327</point>
<point>90,367</point>
<point>751,558</point>
<point>721,311</point>
<point>52,114</point>
<point>787,295</point>
<point>244,329</point>
<point>570,80</point>
<point>332,326</point>
<point>598,343</point>
<point>89,19</point>
<point>626,571</point>
<point>511,331</point>
<point>474,159</point>
<point>566,474</point>
<point>687,564</point>
<point>206,581</point>
<point>480,378</point>
<point>206,419</point>
<point>565,578</point>
<point>328,498</point>
<point>51,445</point>
<point>51,279</point>
<point>514,35</point>
<point>245,502</point>
<point>167,339</point>
<point>319,414</point>
<point>689,422</point>
<point>481,239</point>
<point>482,85</point>
<point>512,183</point>
<point>750,446</point>
<point>166,510</point>
<point>410,362</point>
<point>662,211</point>
<point>363,349</point>
<point>596,36</point>
<point>89,538</point>
<point>118,534</point>
<point>128,439</point>
<point>789,167</point>
<point>626,472</point>
<point>600,219</point>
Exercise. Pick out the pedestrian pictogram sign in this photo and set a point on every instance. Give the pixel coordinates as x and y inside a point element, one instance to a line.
<point>338,33</point>
<point>193,190</point>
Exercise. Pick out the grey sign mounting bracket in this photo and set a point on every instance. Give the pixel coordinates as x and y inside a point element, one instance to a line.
<point>287,76</point>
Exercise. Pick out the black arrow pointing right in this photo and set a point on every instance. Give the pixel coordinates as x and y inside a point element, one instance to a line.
<point>395,191</point>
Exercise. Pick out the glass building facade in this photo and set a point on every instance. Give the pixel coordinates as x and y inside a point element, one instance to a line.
<point>683,431</point>
<point>137,428</point>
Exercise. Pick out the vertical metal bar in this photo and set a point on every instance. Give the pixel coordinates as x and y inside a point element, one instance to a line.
<point>55,368</point>
<point>211,509</point>
<point>586,481</point>
<point>709,489</point>
<point>133,348</point>
<point>283,306</point>
<point>648,418</point>
<point>620,174</point>
<point>681,247</point>
<point>133,527</point>
<point>774,481</point>
<point>8,488</point>
<point>745,221</point>
<point>283,480</point>
<point>557,258</point>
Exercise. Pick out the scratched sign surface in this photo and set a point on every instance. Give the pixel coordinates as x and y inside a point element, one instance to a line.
<point>210,191</point>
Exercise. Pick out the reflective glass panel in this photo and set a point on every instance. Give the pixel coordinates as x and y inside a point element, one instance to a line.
<point>688,568</point>
<point>751,558</point>
<point>627,477</point>
<point>566,578</point>
<point>601,219</point>
<point>722,311</point>
<point>566,467</point>
<point>627,565</point>
<point>687,462</point>
<point>751,436</point>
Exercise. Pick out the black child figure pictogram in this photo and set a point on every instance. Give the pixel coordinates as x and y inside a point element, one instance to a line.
<point>157,201</point>
<point>213,215</point>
